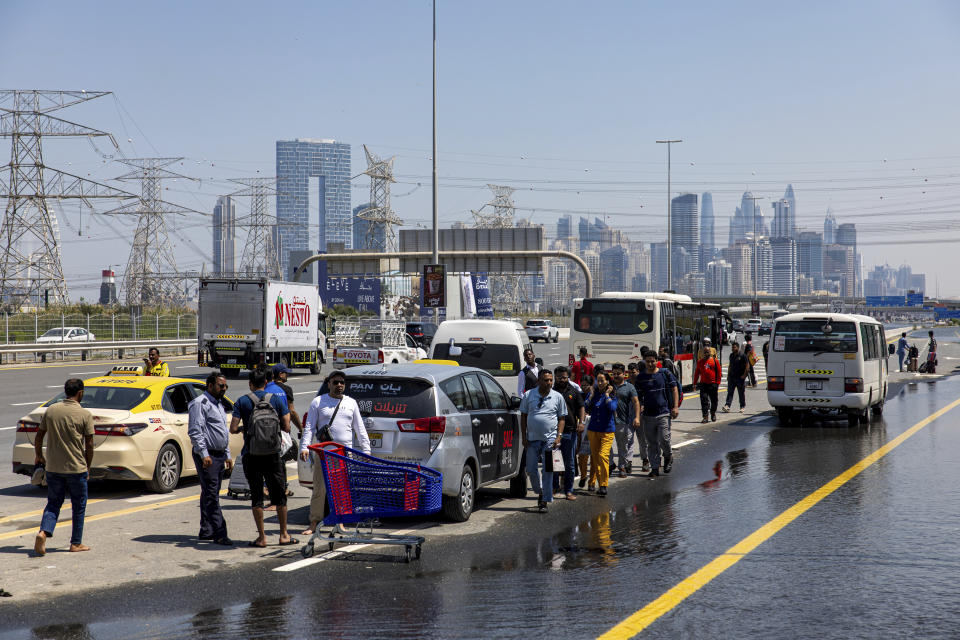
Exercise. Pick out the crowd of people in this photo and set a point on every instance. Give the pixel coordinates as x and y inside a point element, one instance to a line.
<point>595,419</point>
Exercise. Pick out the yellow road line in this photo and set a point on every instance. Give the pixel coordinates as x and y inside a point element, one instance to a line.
<point>665,603</point>
<point>121,512</point>
<point>39,512</point>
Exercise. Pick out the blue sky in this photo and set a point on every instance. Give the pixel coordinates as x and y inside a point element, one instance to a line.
<point>854,103</point>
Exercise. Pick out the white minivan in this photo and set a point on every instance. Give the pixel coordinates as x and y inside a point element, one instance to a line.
<point>496,346</point>
<point>827,363</point>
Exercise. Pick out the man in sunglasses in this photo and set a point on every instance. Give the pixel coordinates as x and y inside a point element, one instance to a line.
<point>342,414</point>
<point>210,437</point>
<point>543,412</point>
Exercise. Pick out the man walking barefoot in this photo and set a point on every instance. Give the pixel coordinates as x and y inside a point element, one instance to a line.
<point>68,428</point>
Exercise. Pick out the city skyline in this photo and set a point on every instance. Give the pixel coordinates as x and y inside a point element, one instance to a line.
<point>858,147</point>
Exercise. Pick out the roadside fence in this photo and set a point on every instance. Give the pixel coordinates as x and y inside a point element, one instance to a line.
<point>29,327</point>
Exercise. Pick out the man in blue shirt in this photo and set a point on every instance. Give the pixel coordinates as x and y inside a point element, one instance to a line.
<point>543,412</point>
<point>210,440</point>
<point>902,348</point>
<point>263,468</point>
<point>659,401</point>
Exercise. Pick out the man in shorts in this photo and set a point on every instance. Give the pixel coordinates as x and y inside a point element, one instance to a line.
<point>261,469</point>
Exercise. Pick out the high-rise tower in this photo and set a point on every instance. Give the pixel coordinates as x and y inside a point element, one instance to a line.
<point>685,229</point>
<point>297,162</point>
<point>224,235</point>
<point>707,223</point>
<point>829,228</point>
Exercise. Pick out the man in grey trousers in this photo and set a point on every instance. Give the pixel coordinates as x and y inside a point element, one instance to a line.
<point>660,401</point>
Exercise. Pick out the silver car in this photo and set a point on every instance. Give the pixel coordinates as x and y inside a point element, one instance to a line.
<point>457,420</point>
<point>543,330</point>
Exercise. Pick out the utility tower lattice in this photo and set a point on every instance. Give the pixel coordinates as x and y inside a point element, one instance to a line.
<point>152,277</point>
<point>506,290</point>
<point>261,253</point>
<point>29,235</point>
<point>380,231</point>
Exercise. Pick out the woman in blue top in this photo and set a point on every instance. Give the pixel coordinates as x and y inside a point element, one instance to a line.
<point>602,407</point>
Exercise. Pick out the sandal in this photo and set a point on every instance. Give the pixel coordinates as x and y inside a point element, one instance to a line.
<point>254,543</point>
<point>289,542</point>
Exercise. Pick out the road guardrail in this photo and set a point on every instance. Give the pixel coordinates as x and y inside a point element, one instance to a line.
<point>45,348</point>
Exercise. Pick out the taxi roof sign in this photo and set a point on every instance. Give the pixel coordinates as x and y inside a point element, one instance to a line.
<point>452,363</point>
<point>126,370</point>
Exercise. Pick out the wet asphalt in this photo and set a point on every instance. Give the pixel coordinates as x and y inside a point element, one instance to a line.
<point>877,558</point>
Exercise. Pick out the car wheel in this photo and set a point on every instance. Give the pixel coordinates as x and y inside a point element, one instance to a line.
<point>459,507</point>
<point>853,419</point>
<point>315,366</point>
<point>166,474</point>
<point>878,409</point>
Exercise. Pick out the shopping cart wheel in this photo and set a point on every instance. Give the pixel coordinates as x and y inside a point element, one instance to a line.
<point>419,549</point>
<point>409,554</point>
<point>308,549</point>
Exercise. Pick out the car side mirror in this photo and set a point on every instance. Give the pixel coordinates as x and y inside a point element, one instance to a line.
<point>454,350</point>
<point>514,403</point>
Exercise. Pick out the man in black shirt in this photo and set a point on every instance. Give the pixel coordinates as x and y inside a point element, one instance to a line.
<point>280,372</point>
<point>736,377</point>
<point>571,434</point>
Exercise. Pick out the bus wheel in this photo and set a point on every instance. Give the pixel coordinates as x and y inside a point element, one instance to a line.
<point>853,418</point>
<point>784,414</point>
<point>878,409</point>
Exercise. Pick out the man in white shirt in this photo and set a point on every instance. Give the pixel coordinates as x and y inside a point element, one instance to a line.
<point>345,425</point>
<point>528,377</point>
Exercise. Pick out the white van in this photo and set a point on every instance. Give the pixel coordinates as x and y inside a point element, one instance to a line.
<point>496,346</point>
<point>827,362</point>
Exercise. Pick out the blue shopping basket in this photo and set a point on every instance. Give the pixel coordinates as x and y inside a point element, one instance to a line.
<point>361,487</point>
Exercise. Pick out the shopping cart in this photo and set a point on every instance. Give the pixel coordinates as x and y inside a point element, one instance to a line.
<point>362,488</point>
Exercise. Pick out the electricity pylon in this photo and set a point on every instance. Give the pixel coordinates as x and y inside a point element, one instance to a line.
<point>261,253</point>
<point>381,219</point>
<point>31,269</point>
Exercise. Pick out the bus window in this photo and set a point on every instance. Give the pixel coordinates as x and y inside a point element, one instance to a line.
<point>613,317</point>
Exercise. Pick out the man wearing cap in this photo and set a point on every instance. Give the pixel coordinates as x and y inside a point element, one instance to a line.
<point>280,372</point>
<point>706,377</point>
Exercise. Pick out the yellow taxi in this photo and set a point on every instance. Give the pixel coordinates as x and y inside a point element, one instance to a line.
<point>140,428</point>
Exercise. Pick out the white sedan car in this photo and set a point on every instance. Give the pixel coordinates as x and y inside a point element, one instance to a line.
<point>66,334</point>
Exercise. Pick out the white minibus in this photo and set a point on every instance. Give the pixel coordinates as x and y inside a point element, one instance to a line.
<point>827,363</point>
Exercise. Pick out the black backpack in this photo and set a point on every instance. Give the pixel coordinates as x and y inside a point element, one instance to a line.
<point>263,427</point>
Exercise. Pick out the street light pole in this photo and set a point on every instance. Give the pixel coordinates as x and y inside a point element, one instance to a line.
<point>669,144</point>
<point>436,217</point>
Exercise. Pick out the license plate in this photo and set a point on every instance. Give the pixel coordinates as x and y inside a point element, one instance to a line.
<point>232,361</point>
<point>357,360</point>
<point>376,440</point>
<point>814,385</point>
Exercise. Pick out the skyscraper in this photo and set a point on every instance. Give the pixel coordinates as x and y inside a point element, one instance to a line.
<point>785,216</point>
<point>614,264</point>
<point>742,223</point>
<point>838,266</point>
<point>829,228</point>
<point>224,235</point>
<point>297,162</point>
<point>719,280</point>
<point>564,227</point>
<point>810,256</point>
<point>658,266</point>
<point>685,228</point>
<point>707,224</point>
<point>847,236</point>
<point>784,254</point>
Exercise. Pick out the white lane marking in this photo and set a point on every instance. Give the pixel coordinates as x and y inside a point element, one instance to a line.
<point>24,404</point>
<point>147,498</point>
<point>54,386</point>
<point>189,367</point>
<point>330,555</point>
<point>685,443</point>
<point>81,373</point>
<point>7,428</point>
<point>302,393</point>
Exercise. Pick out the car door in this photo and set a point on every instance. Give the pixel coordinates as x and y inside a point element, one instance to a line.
<point>175,407</point>
<point>484,428</point>
<point>508,428</point>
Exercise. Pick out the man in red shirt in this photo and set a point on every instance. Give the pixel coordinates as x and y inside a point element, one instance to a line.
<point>581,367</point>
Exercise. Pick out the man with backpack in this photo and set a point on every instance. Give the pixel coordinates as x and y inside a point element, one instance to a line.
<point>264,416</point>
<point>707,375</point>
<point>659,403</point>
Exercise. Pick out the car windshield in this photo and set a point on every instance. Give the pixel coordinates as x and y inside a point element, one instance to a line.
<point>495,359</point>
<point>121,398</point>
<point>807,335</point>
<point>392,397</point>
<point>613,317</point>
<point>54,333</point>
<point>536,323</point>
